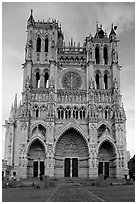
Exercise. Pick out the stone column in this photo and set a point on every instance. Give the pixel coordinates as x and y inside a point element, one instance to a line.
<point>38,167</point>
<point>101,81</point>
<point>93,170</point>
<point>93,53</point>
<point>70,167</point>
<point>101,55</point>
<point>45,164</point>
<point>42,80</point>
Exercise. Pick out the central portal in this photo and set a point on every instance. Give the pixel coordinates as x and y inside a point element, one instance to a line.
<point>71,155</point>
<point>71,167</point>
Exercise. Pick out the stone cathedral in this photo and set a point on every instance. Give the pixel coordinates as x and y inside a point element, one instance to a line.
<point>71,121</point>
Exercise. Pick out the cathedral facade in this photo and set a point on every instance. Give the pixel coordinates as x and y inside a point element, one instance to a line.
<point>71,121</point>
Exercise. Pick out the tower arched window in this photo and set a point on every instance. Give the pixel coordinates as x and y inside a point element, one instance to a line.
<point>68,113</point>
<point>62,113</point>
<point>46,80</point>
<point>37,80</point>
<point>97,81</point>
<point>38,46</point>
<point>106,80</point>
<point>46,44</point>
<point>105,55</point>
<point>37,113</point>
<point>106,114</point>
<point>84,114</point>
<point>97,55</point>
<point>59,115</point>
<point>75,113</point>
<point>81,112</point>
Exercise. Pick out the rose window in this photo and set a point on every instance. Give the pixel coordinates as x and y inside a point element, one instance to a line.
<point>71,80</point>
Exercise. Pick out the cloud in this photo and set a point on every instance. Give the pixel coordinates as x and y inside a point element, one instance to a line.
<point>120,13</point>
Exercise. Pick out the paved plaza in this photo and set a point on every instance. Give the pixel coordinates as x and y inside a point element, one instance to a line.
<point>70,192</point>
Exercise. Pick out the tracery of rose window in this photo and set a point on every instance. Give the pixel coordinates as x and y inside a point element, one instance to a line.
<point>71,80</point>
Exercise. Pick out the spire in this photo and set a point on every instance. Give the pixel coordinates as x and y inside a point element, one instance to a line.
<point>31,19</point>
<point>15,102</point>
<point>97,25</point>
<point>31,12</point>
<point>99,32</point>
<point>71,42</point>
<point>112,34</point>
<point>11,106</point>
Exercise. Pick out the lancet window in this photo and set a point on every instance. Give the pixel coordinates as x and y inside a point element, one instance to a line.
<point>75,113</point>
<point>97,79</point>
<point>97,57</point>
<point>106,76</point>
<point>37,80</point>
<point>66,113</point>
<point>105,53</point>
<point>38,45</point>
<point>82,113</point>
<point>106,114</point>
<point>60,113</point>
<point>46,80</point>
<point>36,110</point>
<point>46,44</point>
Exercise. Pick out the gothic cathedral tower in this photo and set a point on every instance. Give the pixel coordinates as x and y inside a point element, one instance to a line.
<point>71,121</point>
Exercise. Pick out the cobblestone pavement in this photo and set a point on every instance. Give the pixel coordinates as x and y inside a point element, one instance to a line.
<point>73,193</point>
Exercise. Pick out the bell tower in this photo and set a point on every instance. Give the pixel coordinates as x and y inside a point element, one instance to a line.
<point>41,52</point>
<point>40,76</point>
<point>105,107</point>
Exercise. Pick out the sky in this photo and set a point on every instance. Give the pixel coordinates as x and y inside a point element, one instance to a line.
<point>78,20</point>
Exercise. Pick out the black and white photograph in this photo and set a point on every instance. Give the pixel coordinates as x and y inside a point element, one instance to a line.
<point>68,102</point>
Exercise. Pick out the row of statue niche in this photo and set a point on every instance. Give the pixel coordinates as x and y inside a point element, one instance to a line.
<point>71,97</point>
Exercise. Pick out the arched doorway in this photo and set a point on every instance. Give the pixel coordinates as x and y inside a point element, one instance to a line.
<point>107,159</point>
<point>71,155</point>
<point>36,159</point>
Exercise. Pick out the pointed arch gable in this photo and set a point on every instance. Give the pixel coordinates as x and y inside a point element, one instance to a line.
<point>47,35</point>
<point>106,45</point>
<point>106,124</point>
<point>35,125</point>
<point>76,128</point>
<point>110,140</point>
<point>46,70</point>
<point>33,140</point>
<point>106,72</point>
<point>98,72</point>
<point>38,34</point>
<point>97,45</point>
<point>36,70</point>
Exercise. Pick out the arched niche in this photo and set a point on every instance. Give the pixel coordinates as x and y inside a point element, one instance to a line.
<point>107,159</point>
